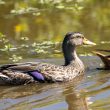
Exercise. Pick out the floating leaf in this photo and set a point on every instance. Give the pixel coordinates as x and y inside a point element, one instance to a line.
<point>2,2</point>
<point>24,38</point>
<point>15,58</point>
<point>40,51</point>
<point>105,42</point>
<point>23,10</point>
<point>7,47</point>
<point>60,6</point>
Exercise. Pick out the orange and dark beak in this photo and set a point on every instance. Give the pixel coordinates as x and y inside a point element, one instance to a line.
<point>87,42</point>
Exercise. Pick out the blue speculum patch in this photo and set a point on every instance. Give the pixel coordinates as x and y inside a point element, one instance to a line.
<point>37,75</point>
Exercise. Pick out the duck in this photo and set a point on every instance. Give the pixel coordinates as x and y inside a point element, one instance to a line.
<point>105,58</point>
<point>40,72</point>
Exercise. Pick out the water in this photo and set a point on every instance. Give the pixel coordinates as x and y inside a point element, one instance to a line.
<point>90,91</point>
<point>27,31</point>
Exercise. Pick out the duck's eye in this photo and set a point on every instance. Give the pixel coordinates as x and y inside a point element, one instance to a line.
<point>78,36</point>
<point>82,37</point>
<point>72,37</point>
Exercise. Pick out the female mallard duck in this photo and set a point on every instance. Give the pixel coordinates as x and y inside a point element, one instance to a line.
<point>23,73</point>
<point>104,58</point>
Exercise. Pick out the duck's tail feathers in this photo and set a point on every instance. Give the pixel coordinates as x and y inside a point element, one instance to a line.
<point>104,58</point>
<point>4,79</point>
<point>99,54</point>
<point>103,50</point>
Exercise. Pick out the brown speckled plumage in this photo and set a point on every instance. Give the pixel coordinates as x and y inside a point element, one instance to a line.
<point>105,58</point>
<point>19,73</point>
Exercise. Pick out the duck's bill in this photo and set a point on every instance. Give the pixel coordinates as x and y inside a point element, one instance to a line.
<point>87,42</point>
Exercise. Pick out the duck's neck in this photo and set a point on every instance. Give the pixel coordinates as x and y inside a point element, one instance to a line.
<point>70,56</point>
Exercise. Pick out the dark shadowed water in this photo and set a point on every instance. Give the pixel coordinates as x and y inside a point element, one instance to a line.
<point>33,31</point>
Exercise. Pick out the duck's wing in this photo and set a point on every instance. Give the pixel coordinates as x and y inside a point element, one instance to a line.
<point>16,73</point>
<point>40,72</point>
<point>8,77</point>
<point>17,66</point>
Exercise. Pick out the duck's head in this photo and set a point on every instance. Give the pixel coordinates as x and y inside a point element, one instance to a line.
<point>71,41</point>
<point>76,39</point>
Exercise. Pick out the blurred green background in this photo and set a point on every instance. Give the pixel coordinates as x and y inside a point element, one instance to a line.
<point>36,28</point>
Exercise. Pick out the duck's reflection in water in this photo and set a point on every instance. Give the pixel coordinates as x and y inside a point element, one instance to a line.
<point>73,98</point>
<point>46,96</point>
